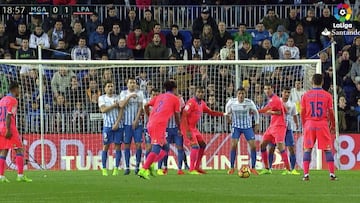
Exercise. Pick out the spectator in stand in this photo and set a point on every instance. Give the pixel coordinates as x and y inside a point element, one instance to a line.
<point>271,21</point>
<point>121,52</point>
<point>4,84</point>
<point>292,21</point>
<point>295,95</point>
<point>56,33</point>
<point>208,42</point>
<point>160,76</point>
<point>61,80</point>
<point>60,52</point>
<point>12,25</point>
<point>267,48</point>
<point>98,41</point>
<point>259,35</point>
<point>222,36</point>
<point>301,40</point>
<point>342,111</point>
<point>178,50</point>
<point>173,36</point>
<point>92,24</point>
<point>107,76</point>
<point>25,52</point>
<point>246,52</point>
<point>343,67</point>
<point>325,62</point>
<point>147,23</point>
<point>114,36</point>
<point>74,92</point>
<point>111,20</point>
<point>156,30</point>
<point>137,41</point>
<point>49,22</point>
<point>354,50</point>
<point>81,52</point>
<point>93,88</point>
<point>290,45</point>
<point>77,33</point>
<point>4,41</point>
<point>279,37</point>
<point>156,50</point>
<point>89,75</point>
<point>16,39</point>
<point>242,35</point>
<point>355,71</point>
<point>326,22</point>
<point>60,106</point>
<point>142,80</point>
<point>40,38</point>
<point>34,22</point>
<point>204,19</point>
<point>355,95</point>
<point>225,51</point>
<point>182,79</point>
<point>70,20</point>
<point>196,48</point>
<point>202,77</point>
<point>130,23</point>
<point>311,24</point>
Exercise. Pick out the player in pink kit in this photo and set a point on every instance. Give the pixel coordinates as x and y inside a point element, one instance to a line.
<point>9,135</point>
<point>275,134</point>
<point>164,106</point>
<point>190,117</point>
<point>316,112</point>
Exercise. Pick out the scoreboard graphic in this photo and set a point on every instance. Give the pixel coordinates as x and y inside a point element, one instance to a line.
<point>47,10</point>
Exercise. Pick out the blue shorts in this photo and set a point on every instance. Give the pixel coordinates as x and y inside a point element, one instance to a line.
<point>289,138</point>
<point>111,136</point>
<point>248,133</point>
<point>130,133</point>
<point>172,136</point>
<point>147,137</point>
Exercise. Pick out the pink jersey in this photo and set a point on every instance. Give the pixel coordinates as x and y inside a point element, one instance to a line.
<point>8,105</point>
<point>163,108</point>
<point>315,105</point>
<point>195,108</point>
<point>276,104</point>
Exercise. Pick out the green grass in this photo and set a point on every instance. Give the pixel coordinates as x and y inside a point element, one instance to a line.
<point>90,186</point>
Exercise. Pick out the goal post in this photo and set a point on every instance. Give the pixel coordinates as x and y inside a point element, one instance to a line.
<point>62,123</point>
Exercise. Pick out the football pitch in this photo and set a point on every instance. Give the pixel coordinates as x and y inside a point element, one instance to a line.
<point>216,186</point>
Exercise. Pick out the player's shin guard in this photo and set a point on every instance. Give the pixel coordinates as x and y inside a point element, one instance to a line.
<point>285,159</point>
<point>193,157</point>
<point>104,156</point>
<point>155,151</point>
<point>180,158</point>
<point>117,158</point>
<point>127,157</point>
<point>2,165</point>
<point>306,162</point>
<point>20,163</point>
<point>330,161</point>
<point>271,159</point>
<point>138,157</point>
<point>232,158</point>
<point>253,158</point>
<point>199,158</point>
<point>264,156</point>
<point>292,161</point>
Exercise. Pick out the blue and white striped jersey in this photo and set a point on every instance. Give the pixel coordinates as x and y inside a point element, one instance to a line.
<point>110,116</point>
<point>172,123</point>
<point>240,113</point>
<point>132,107</point>
<point>291,111</point>
<point>146,118</point>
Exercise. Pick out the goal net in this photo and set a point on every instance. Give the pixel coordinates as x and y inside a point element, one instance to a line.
<point>61,124</point>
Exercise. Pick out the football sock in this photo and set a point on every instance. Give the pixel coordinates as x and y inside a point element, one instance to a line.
<point>232,158</point>
<point>271,159</point>
<point>2,165</point>
<point>117,158</point>
<point>285,159</point>
<point>330,161</point>
<point>199,158</point>
<point>193,157</point>
<point>152,156</point>
<point>185,159</point>
<point>138,157</point>
<point>165,160</point>
<point>20,163</point>
<point>180,158</point>
<point>264,156</point>
<point>104,156</point>
<point>292,161</point>
<point>127,157</point>
<point>306,162</point>
<point>160,164</point>
<point>253,158</point>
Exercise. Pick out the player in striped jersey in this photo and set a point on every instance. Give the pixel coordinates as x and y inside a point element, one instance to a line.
<point>153,93</point>
<point>289,137</point>
<point>132,102</point>
<point>112,127</point>
<point>173,137</point>
<point>238,111</point>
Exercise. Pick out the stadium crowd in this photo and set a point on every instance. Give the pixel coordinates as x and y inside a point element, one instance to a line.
<point>79,37</point>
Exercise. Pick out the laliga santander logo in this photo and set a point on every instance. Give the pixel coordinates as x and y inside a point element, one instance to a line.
<point>342,12</point>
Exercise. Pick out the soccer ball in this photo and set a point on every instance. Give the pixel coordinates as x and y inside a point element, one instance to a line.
<point>244,172</point>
